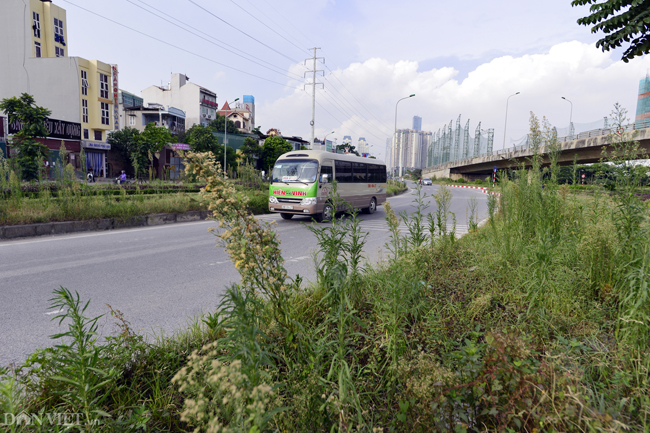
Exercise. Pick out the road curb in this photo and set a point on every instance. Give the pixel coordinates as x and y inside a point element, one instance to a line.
<point>467,186</point>
<point>59,228</point>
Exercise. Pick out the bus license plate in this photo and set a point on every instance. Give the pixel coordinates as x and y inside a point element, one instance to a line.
<point>284,206</point>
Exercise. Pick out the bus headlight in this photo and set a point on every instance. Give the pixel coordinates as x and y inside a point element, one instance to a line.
<point>308,201</point>
<point>272,199</point>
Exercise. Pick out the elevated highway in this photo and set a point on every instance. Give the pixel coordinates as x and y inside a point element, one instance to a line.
<point>587,149</point>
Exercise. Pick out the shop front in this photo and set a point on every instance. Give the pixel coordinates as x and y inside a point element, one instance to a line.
<point>170,163</point>
<point>3,139</point>
<point>60,133</point>
<point>96,157</point>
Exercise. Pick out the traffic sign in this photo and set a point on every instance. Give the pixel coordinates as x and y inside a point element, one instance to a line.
<point>494,169</point>
<point>583,176</point>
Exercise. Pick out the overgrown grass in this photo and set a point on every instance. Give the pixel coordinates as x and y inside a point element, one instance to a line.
<point>538,321</point>
<point>394,187</point>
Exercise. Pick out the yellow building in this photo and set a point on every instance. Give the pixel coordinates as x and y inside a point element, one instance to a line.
<point>96,99</point>
<point>82,94</point>
<point>49,29</point>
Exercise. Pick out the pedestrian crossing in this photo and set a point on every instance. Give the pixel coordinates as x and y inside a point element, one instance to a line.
<point>382,226</point>
<point>378,225</point>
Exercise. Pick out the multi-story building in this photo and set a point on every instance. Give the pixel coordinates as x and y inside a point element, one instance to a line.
<point>134,114</point>
<point>362,145</point>
<point>410,149</point>
<point>198,103</point>
<point>417,123</point>
<point>80,93</point>
<point>389,154</point>
<point>242,115</point>
<point>643,103</point>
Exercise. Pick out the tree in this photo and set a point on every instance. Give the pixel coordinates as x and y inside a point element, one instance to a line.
<point>250,150</point>
<point>272,149</point>
<point>201,139</point>
<point>217,125</point>
<point>348,148</point>
<point>151,141</point>
<point>155,137</point>
<point>32,118</point>
<point>125,141</point>
<point>622,21</point>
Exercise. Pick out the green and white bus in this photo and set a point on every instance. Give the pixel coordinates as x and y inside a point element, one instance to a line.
<point>301,181</point>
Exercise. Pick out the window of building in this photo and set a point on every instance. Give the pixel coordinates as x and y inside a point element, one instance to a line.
<point>36,25</point>
<point>84,83</point>
<point>60,52</point>
<point>104,113</point>
<point>131,120</point>
<point>84,110</point>
<point>37,49</point>
<point>103,83</point>
<point>98,135</point>
<point>58,26</point>
<point>86,134</point>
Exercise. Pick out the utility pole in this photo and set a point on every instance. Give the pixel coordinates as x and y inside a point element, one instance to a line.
<point>313,92</point>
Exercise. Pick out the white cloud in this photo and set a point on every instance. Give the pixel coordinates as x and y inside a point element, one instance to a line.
<point>591,79</point>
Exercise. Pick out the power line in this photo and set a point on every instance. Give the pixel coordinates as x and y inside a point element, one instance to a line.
<point>179,48</point>
<point>241,31</point>
<point>267,26</point>
<point>246,57</point>
<point>352,118</point>
<point>310,43</point>
<point>351,106</point>
<point>352,94</point>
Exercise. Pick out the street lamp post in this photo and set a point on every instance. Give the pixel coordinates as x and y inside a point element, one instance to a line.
<point>570,117</point>
<point>225,139</point>
<point>395,134</point>
<point>325,140</point>
<point>506,124</point>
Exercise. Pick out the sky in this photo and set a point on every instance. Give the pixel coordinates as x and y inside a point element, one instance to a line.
<point>464,57</point>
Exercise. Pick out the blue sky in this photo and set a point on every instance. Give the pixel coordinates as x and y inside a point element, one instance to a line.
<point>462,57</point>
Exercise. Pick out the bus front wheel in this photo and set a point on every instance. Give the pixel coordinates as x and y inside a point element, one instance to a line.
<point>327,215</point>
<point>286,216</point>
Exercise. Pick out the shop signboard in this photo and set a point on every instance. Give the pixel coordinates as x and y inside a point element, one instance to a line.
<point>95,145</point>
<point>180,146</point>
<point>116,106</point>
<point>55,129</point>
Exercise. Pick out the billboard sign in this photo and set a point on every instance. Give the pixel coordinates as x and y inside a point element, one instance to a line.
<point>116,105</point>
<point>55,129</point>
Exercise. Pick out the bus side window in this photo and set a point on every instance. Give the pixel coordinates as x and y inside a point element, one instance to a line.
<point>343,172</point>
<point>373,171</point>
<point>360,172</point>
<point>326,169</point>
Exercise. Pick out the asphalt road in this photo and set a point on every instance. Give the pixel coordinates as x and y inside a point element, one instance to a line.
<point>158,277</point>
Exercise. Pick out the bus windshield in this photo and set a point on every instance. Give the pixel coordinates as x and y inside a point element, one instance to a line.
<point>295,170</point>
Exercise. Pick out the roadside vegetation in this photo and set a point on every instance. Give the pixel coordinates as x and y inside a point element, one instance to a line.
<point>68,199</point>
<point>537,321</point>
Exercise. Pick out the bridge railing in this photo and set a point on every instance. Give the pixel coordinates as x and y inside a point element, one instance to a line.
<point>586,134</point>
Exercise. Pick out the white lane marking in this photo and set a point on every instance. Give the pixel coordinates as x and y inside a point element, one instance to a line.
<point>53,312</point>
<point>103,233</point>
<point>297,259</point>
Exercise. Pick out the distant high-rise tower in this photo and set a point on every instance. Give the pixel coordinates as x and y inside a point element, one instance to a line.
<point>362,146</point>
<point>417,123</point>
<point>643,102</point>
